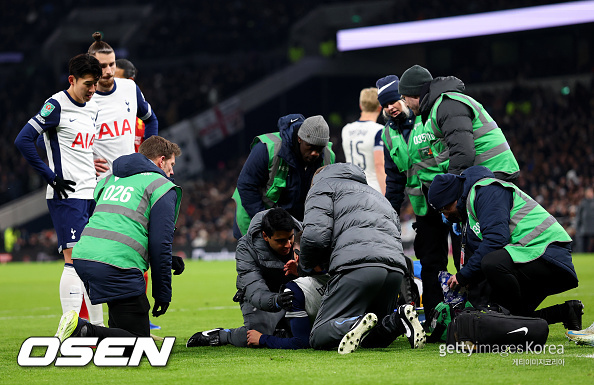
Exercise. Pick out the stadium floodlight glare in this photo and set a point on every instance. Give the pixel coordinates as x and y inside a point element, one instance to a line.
<point>480,24</point>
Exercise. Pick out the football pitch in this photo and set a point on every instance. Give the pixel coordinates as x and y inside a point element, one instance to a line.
<point>202,300</point>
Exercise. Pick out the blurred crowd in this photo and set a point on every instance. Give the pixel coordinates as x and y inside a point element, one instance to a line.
<point>210,50</point>
<point>207,51</point>
<point>549,132</point>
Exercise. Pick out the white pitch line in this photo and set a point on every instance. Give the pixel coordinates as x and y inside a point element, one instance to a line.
<point>10,318</point>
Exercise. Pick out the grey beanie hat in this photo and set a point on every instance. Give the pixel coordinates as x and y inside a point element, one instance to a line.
<point>315,131</point>
<point>413,79</point>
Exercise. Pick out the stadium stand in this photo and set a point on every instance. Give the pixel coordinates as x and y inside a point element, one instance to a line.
<point>198,53</point>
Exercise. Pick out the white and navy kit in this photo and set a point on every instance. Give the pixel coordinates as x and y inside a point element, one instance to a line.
<point>68,128</point>
<point>116,123</point>
<point>360,140</point>
<point>313,289</point>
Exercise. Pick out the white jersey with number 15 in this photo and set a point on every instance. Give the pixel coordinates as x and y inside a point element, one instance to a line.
<point>360,140</point>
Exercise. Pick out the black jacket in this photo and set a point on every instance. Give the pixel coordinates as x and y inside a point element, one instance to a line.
<point>454,118</point>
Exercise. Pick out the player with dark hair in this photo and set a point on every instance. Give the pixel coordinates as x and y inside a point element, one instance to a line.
<point>120,103</point>
<point>125,69</point>
<point>67,122</point>
<point>260,256</point>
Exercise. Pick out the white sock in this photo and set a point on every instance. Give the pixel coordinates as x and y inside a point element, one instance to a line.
<point>95,311</point>
<point>71,290</point>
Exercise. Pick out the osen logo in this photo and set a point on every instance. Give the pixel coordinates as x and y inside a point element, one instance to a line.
<point>77,351</point>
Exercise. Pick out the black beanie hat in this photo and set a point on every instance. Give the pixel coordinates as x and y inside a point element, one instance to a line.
<point>413,79</point>
<point>445,189</point>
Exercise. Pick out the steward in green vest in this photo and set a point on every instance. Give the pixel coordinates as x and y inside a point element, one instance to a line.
<point>510,241</point>
<point>421,159</point>
<point>280,167</point>
<point>131,230</point>
<point>460,122</point>
<point>412,158</point>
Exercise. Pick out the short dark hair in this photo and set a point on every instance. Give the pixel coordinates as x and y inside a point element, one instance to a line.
<point>84,64</point>
<point>157,146</point>
<point>129,69</point>
<point>277,219</point>
<point>99,46</point>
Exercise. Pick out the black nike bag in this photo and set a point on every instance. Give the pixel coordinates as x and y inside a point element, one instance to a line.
<point>483,331</point>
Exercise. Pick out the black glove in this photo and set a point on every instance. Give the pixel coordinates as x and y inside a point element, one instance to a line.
<point>284,300</point>
<point>177,265</point>
<point>61,185</point>
<point>160,308</point>
<point>239,296</point>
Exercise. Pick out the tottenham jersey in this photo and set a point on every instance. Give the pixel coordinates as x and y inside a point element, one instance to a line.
<point>69,132</point>
<point>116,122</point>
<point>313,289</point>
<point>359,141</point>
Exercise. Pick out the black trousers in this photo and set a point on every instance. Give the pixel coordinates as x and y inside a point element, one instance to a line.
<point>128,317</point>
<point>431,248</point>
<point>521,287</point>
<point>350,295</point>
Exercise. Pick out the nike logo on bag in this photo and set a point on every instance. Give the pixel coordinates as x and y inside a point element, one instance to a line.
<point>408,333</point>
<point>294,120</point>
<point>523,329</point>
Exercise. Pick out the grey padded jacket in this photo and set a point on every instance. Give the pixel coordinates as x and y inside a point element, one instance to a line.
<point>259,269</point>
<point>348,224</point>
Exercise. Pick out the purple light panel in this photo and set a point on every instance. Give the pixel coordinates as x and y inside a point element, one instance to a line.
<point>481,24</point>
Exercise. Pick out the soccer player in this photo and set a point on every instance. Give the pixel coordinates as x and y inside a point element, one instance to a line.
<point>362,140</point>
<point>67,121</point>
<point>120,103</point>
<point>126,70</point>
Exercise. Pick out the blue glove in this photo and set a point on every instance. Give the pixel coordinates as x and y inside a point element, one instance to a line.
<point>456,228</point>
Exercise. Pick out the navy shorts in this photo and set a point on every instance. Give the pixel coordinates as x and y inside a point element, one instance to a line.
<point>70,216</point>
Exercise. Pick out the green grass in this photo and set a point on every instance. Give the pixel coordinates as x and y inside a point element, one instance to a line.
<point>202,300</point>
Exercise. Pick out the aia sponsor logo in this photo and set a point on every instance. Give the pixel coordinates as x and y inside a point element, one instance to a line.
<point>84,142</point>
<point>113,130</point>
